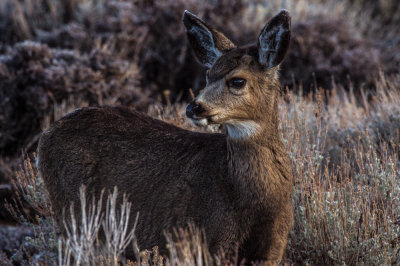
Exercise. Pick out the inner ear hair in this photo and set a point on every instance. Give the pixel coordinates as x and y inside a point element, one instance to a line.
<point>274,40</point>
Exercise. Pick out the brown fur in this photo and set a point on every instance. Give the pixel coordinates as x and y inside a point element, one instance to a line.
<point>236,189</point>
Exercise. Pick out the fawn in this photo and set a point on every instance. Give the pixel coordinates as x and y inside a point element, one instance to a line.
<point>236,187</point>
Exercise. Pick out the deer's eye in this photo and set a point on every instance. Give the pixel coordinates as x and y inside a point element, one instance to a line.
<point>236,83</point>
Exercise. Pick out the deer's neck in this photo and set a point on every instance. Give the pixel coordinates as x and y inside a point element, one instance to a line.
<point>260,170</point>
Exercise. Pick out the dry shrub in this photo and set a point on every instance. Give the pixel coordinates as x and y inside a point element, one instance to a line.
<point>30,187</point>
<point>331,40</point>
<point>388,10</point>
<point>33,241</point>
<point>12,242</point>
<point>28,19</point>
<point>346,202</point>
<point>324,52</point>
<point>149,31</point>
<point>34,78</point>
<point>83,244</point>
<point>379,21</point>
<point>6,189</point>
<point>376,123</point>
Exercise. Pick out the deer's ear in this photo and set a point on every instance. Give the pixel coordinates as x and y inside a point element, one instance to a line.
<point>207,43</point>
<point>274,40</point>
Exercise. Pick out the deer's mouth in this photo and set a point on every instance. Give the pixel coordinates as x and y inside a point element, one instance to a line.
<point>202,121</point>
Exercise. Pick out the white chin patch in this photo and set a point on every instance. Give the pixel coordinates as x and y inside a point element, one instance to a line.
<point>241,129</point>
<point>202,122</point>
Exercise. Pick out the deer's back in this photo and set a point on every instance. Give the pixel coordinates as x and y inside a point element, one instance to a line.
<point>172,176</point>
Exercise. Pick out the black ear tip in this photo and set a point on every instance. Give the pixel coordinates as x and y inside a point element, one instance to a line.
<point>186,13</point>
<point>283,16</point>
<point>284,13</point>
<point>188,16</point>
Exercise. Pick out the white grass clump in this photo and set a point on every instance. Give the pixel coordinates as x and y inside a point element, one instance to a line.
<point>82,245</point>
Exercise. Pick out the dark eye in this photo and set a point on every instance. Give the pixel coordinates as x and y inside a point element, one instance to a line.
<point>236,83</point>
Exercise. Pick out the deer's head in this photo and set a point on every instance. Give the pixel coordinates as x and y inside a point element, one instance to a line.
<point>242,82</point>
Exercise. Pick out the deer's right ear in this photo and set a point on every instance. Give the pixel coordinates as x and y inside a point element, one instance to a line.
<point>207,43</point>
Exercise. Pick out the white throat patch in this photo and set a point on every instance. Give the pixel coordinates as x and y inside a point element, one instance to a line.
<point>241,129</point>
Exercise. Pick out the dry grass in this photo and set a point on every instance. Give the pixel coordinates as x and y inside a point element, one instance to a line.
<point>344,142</point>
<point>346,198</point>
<point>83,243</point>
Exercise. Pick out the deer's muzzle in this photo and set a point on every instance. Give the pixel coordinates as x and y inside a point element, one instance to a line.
<point>194,110</point>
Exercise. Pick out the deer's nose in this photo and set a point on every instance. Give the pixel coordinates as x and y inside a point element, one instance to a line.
<point>193,109</point>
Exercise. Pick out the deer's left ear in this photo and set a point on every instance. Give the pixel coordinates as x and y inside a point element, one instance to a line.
<point>274,40</point>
